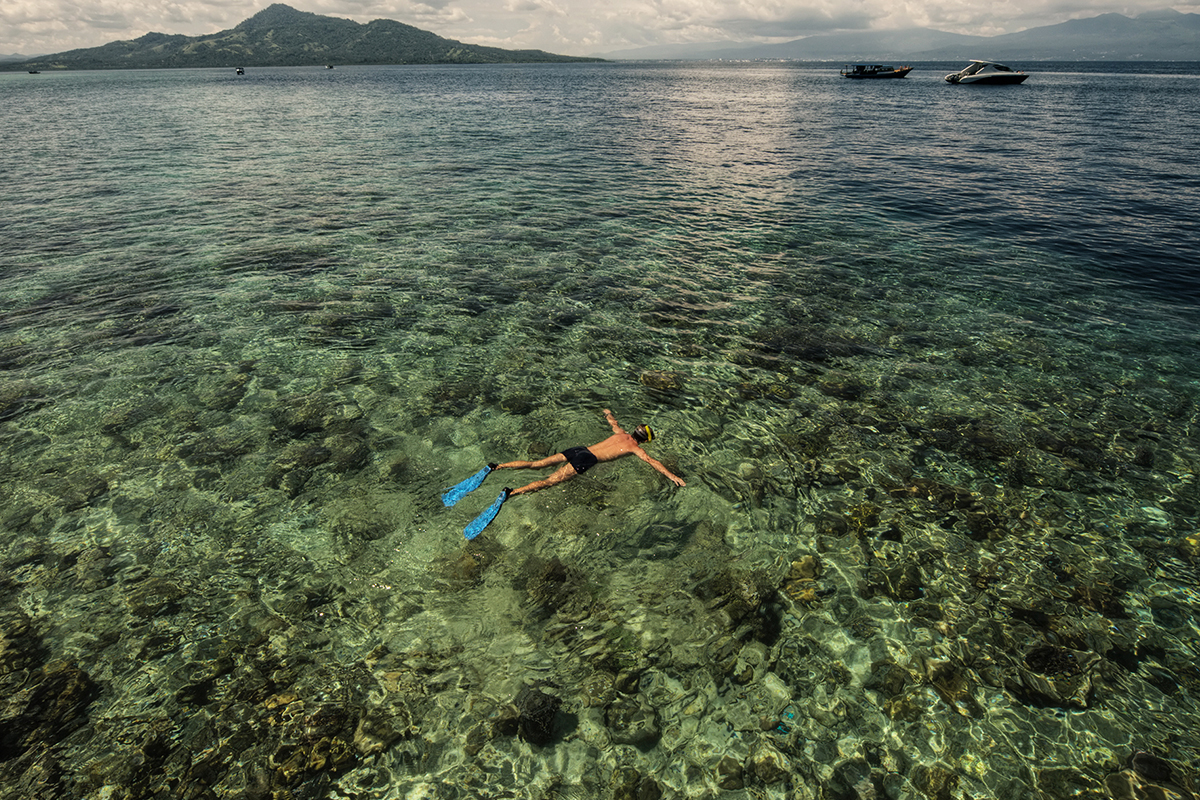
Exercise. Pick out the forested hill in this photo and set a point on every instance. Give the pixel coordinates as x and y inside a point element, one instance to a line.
<point>281,36</point>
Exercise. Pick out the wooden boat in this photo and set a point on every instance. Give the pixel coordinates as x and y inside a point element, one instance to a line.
<point>874,71</point>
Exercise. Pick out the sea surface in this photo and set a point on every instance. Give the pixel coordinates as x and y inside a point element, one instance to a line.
<point>925,356</point>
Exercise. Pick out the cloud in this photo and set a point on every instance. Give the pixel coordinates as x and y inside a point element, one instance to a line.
<point>796,25</point>
<point>574,27</point>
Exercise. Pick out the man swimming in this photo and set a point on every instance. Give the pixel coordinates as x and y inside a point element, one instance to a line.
<point>574,460</point>
<point>579,460</point>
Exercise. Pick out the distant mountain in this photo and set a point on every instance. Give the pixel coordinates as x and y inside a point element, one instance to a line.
<point>1165,35</point>
<point>281,36</point>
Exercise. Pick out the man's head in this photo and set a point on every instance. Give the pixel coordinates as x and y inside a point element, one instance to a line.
<point>643,434</point>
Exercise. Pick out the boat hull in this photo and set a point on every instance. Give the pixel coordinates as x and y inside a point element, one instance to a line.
<point>992,80</point>
<point>859,75</point>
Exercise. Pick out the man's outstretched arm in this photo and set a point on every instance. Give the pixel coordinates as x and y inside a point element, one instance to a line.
<point>678,481</point>
<point>612,421</point>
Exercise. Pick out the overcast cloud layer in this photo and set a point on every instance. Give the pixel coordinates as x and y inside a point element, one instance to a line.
<point>568,27</point>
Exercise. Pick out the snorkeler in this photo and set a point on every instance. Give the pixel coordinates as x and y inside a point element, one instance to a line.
<point>575,461</point>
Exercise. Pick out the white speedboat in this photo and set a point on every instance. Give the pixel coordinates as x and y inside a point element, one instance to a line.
<point>988,72</point>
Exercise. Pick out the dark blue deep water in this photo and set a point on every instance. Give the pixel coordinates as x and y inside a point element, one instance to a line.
<point>924,354</point>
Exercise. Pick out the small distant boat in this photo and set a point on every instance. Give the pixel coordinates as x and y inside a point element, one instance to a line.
<point>34,72</point>
<point>241,71</point>
<point>329,66</point>
<point>874,71</point>
<point>986,72</point>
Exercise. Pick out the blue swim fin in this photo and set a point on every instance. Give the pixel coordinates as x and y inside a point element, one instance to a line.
<point>483,520</point>
<point>456,493</point>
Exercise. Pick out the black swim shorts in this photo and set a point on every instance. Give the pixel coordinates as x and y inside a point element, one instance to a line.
<point>580,458</point>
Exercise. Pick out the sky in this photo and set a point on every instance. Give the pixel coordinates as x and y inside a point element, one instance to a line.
<point>568,27</point>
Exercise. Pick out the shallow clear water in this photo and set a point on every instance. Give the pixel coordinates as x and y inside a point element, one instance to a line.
<point>924,354</point>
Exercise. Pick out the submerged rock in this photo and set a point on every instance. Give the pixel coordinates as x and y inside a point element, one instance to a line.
<point>348,451</point>
<point>223,391</point>
<point>76,489</point>
<point>629,784</point>
<point>934,781</point>
<point>1053,676</point>
<point>129,414</point>
<point>467,566</point>
<point>956,684</point>
<point>314,740</point>
<point>729,774</point>
<point>52,707</point>
<point>768,764</point>
<point>221,444</point>
<point>801,583</point>
<point>842,387</point>
<point>598,690</point>
<point>662,382</point>
<point>20,397</point>
<point>535,715</point>
<point>453,397</point>
<point>555,588</point>
<point>809,341</point>
<point>153,597</point>
<point>19,646</point>
<point>315,412</point>
<point>901,582</point>
<point>1149,777</point>
<point>742,598</point>
<point>293,468</point>
<point>1152,768</point>
<point>631,721</point>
